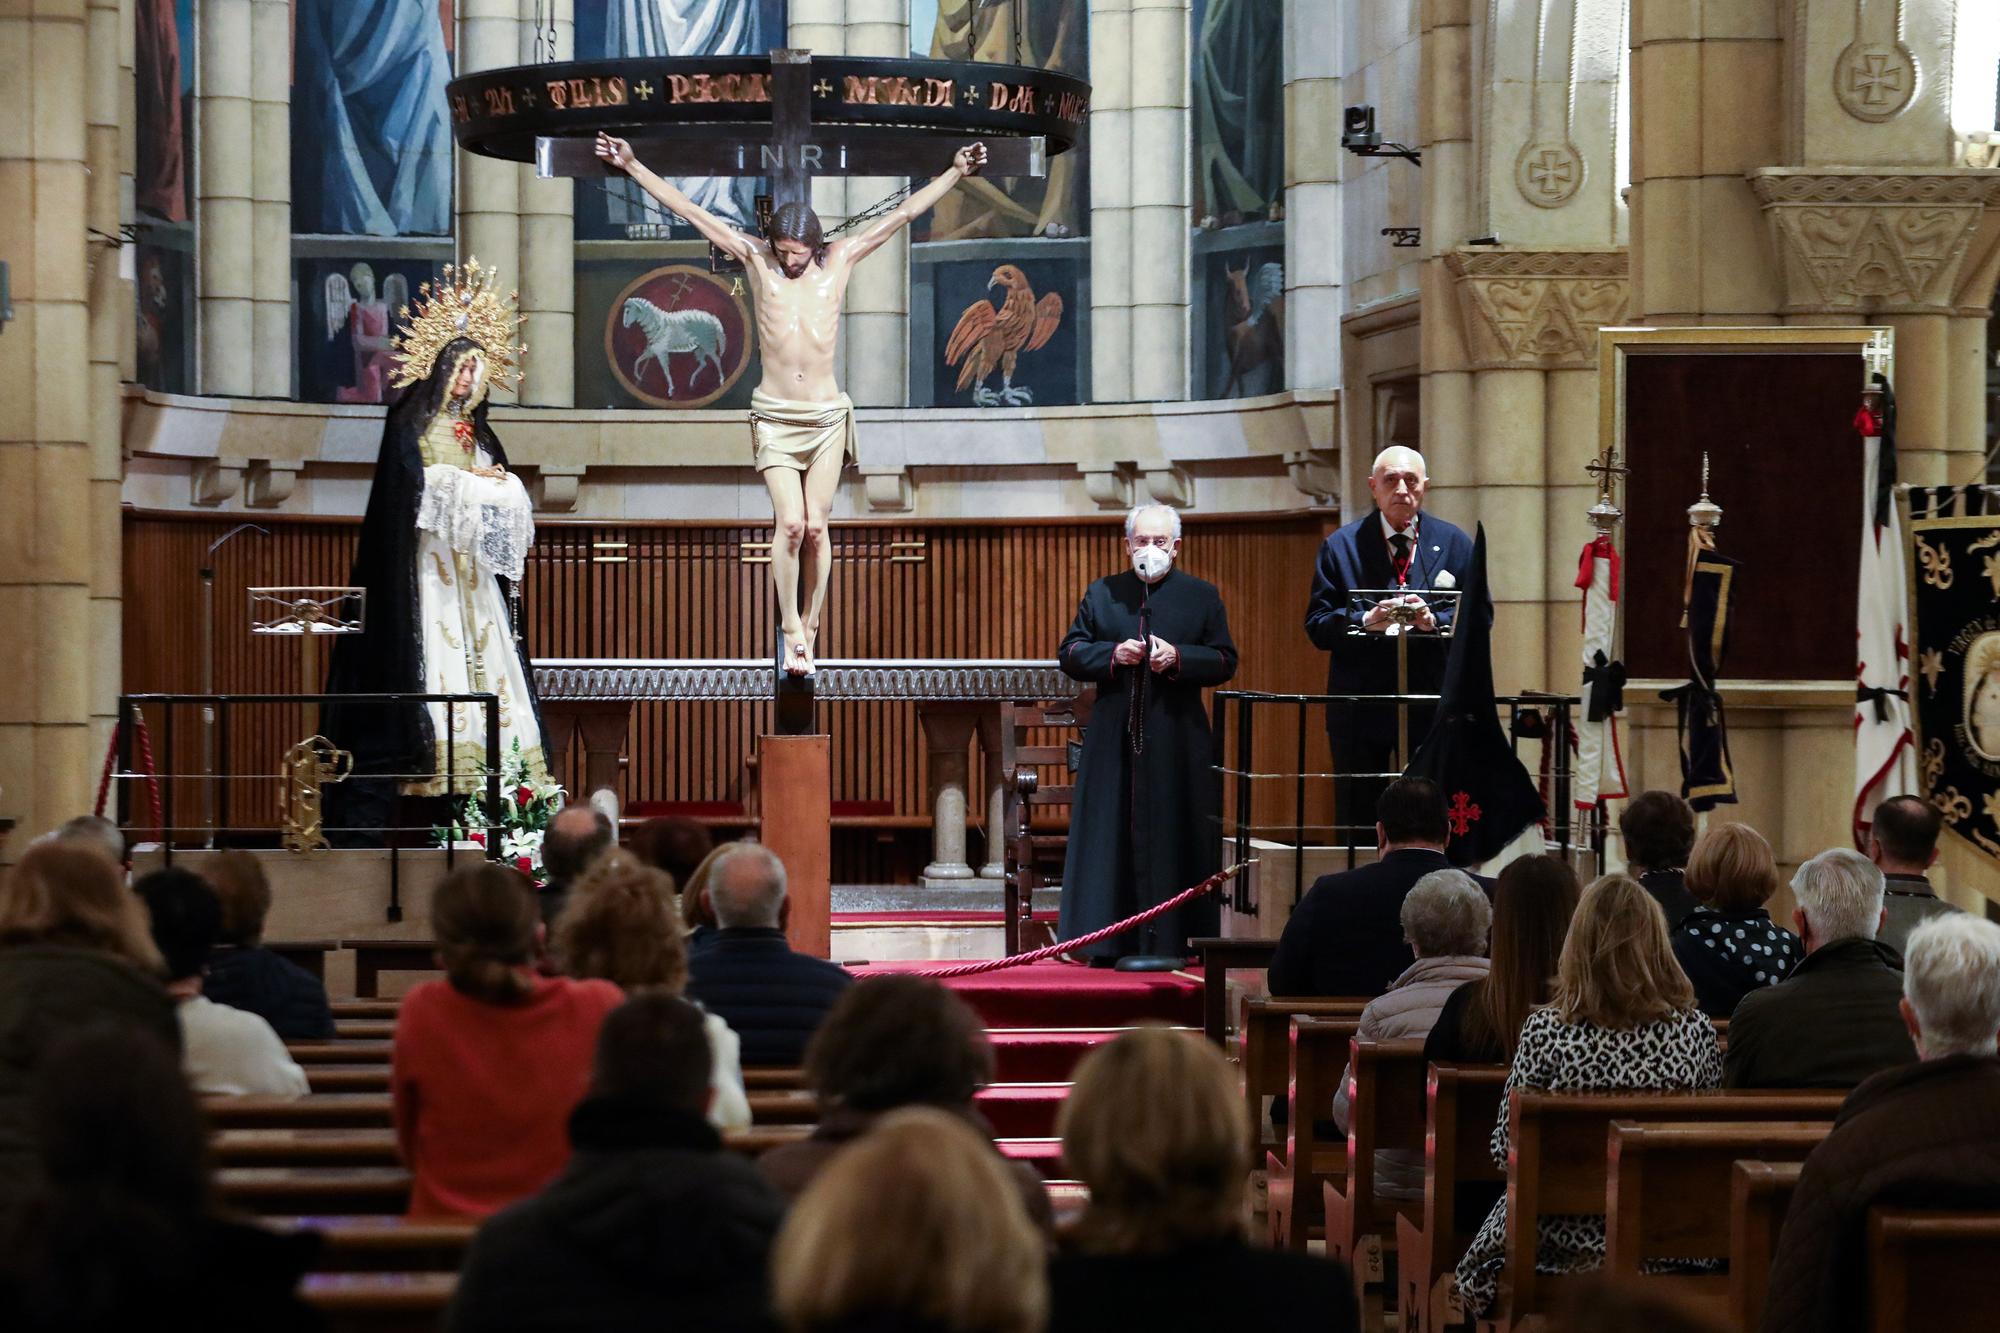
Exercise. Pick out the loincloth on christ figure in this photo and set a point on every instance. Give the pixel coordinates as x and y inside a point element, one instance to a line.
<point>787,433</point>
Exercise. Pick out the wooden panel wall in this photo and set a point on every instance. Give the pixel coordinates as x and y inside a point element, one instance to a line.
<point>967,590</point>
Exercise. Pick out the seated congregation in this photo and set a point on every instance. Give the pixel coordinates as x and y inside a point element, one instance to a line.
<point>628,1103</point>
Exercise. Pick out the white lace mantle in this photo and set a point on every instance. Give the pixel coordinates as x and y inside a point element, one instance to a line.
<point>487,518</point>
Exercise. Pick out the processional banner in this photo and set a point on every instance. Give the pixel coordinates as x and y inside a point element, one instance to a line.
<point>1955,605</point>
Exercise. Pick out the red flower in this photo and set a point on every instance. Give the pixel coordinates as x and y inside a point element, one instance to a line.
<point>479,838</point>
<point>524,864</point>
<point>523,794</point>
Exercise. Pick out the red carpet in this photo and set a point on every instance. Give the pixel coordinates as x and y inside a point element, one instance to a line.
<point>1070,995</point>
<point>1043,1055</point>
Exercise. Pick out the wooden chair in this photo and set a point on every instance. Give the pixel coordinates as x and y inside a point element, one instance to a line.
<point>1760,1193</point>
<point>1266,1057</point>
<point>1559,1158</point>
<point>1025,750</point>
<point>1669,1196</point>
<point>1462,1103</point>
<point>1932,1268</point>
<point>1319,1051</point>
<point>1218,957</point>
<point>1385,1111</point>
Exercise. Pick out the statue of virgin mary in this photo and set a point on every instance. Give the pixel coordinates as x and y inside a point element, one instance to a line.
<point>442,546</point>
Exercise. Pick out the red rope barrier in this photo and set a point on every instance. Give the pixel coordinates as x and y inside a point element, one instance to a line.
<point>146,766</point>
<point>1084,941</point>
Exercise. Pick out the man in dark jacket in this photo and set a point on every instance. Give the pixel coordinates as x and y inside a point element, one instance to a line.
<point>774,998</point>
<point>1345,937</point>
<point>652,1224</point>
<point>242,973</point>
<point>1903,841</point>
<point>1924,1135</point>
<point>1836,1019</point>
<point>1658,830</point>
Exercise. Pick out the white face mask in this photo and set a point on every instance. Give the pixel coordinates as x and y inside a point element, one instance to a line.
<point>1151,563</point>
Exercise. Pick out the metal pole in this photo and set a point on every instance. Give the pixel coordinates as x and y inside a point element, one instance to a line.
<point>492,771</point>
<point>1299,812</point>
<point>121,806</point>
<point>208,740</point>
<point>220,710</point>
<point>167,785</point>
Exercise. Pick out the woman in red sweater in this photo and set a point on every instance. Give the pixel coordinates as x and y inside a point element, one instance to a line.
<point>489,1063</point>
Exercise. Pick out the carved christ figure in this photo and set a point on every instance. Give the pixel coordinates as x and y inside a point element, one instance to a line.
<point>801,424</point>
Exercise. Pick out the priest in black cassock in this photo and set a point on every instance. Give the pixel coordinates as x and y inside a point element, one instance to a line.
<point>1144,823</point>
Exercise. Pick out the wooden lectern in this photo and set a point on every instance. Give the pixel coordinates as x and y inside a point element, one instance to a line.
<point>794,792</point>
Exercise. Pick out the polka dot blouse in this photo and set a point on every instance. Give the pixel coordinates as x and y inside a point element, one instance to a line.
<point>1728,955</point>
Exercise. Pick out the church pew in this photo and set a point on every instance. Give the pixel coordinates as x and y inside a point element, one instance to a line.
<point>1462,1103</point>
<point>374,957</point>
<point>364,1029</point>
<point>1385,1090</point>
<point>1669,1192</point>
<point>1932,1268</point>
<point>383,1243</point>
<point>363,1110</point>
<point>365,1008</point>
<point>347,1078</point>
<point>339,1052</point>
<point>379,1302</point>
<point>1294,1199</point>
<point>1559,1159</point>
<point>307,954</point>
<point>288,1190</point>
<point>305,1147</point>
<point>1218,957</point>
<point>1760,1193</point>
<point>1265,1050</point>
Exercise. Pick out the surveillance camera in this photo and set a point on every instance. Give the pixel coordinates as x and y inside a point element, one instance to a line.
<point>1358,128</point>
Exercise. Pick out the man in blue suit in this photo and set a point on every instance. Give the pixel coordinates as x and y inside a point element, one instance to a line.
<point>1394,546</point>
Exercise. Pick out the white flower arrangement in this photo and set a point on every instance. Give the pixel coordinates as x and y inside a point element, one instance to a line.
<point>526,809</point>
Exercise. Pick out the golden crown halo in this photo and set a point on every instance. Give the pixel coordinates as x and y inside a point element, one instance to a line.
<point>464,303</point>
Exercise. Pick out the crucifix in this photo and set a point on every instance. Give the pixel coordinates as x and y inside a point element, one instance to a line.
<point>801,424</point>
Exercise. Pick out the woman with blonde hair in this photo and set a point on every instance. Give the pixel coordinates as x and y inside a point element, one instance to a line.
<point>1621,1017</point>
<point>621,925</point>
<point>1729,946</point>
<point>488,1064</point>
<point>1156,1127</point>
<point>75,945</point>
<point>916,1227</point>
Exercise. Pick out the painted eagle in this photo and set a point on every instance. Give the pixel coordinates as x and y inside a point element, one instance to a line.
<point>986,337</point>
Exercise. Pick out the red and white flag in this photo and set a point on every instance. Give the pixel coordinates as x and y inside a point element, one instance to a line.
<point>1600,767</point>
<point>1884,752</point>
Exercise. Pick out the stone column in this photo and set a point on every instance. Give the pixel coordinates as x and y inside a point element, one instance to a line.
<point>1110,201</point>
<point>111,333</point>
<point>997,780</point>
<point>1705,110</point>
<point>948,738</point>
<point>225,207</point>
<point>876,321</point>
<point>46,429</point>
<point>490,34</point>
<point>271,198</point>
<point>547,257</point>
<point>1312,198</point>
<point>1160,239</point>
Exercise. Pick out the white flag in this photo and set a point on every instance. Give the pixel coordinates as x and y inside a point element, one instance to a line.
<point>1600,767</point>
<point>1884,755</point>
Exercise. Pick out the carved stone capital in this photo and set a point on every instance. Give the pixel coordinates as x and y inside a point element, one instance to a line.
<point>215,481</point>
<point>1316,472</point>
<point>554,489</point>
<point>1873,243</point>
<point>1537,309</point>
<point>268,483</point>
<point>1109,485</point>
<point>1172,486</point>
<point>889,490</point>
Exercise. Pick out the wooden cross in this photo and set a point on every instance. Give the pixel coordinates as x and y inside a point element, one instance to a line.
<point>796,149</point>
